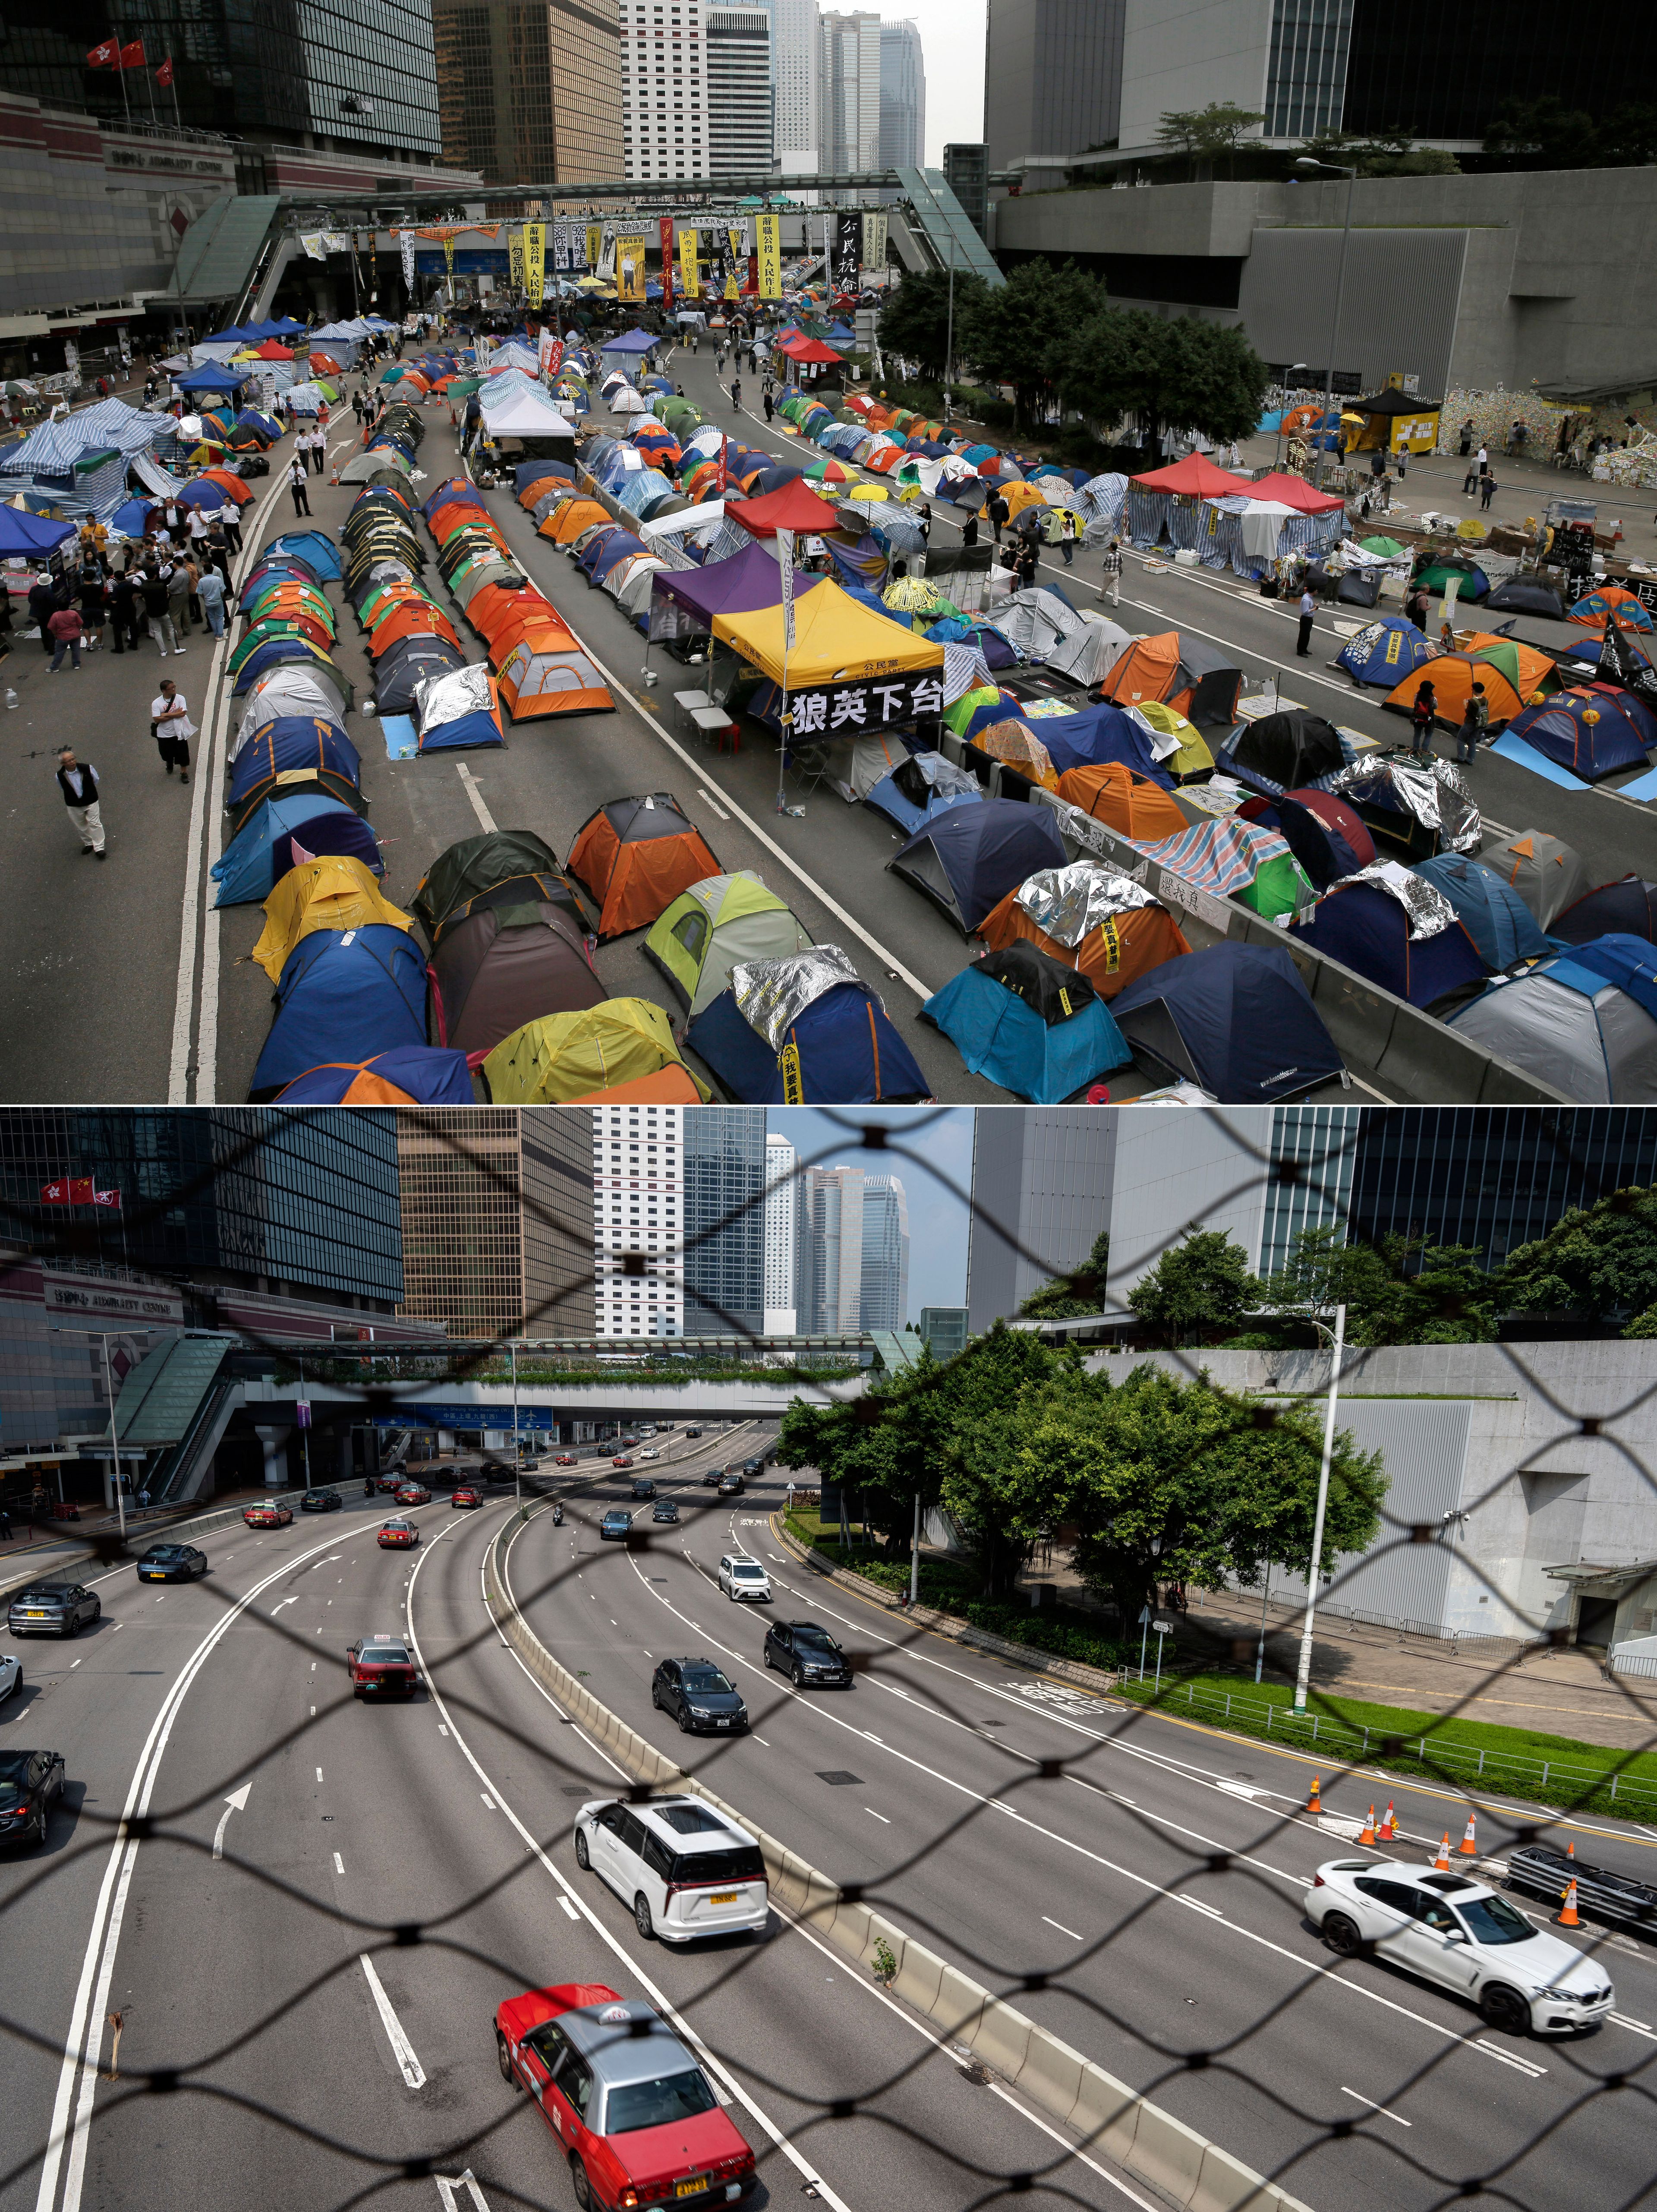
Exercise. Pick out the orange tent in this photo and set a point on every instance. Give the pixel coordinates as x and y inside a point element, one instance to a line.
<point>1182,670</point>
<point>673,1085</point>
<point>412,620</point>
<point>544,671</point>
<point>567,522</point>
<point>534,489</point>
<point>1131,804</point>
<point>1114,954</point>
<point>1149,669</point>
<point>326,364</point>
<point>227,481</point>
<point>494,609</point>
<point>1513,675</point>
<point>1017,745</point>
<point>634,857</point>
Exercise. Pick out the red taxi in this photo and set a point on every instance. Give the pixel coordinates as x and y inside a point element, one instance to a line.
<point>634,2112</point>
<point>395,1533</point>
<point>381,1667</point>
<point>566,1459</point>
<point>623,1459</point>
<point>268,1517</point>
<point>414,1493</point>
<point>467,1496</point>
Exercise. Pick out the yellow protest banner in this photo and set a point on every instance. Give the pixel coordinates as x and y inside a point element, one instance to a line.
<point>690,267</point>
<point>595,243</point>
<point>630,269</point>
<point>769,234</point>
<point>535,261</point>
<point>515,259</point>
<point>737,267</point>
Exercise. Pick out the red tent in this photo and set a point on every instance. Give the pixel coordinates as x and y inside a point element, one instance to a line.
<point>1196,477</point>
<point>793,506</point>
<point>1291,490</point>
<point>803,348</point>
<point>271,351</point>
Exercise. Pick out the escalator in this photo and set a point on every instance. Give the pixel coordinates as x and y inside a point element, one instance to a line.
<point>174,1407</point>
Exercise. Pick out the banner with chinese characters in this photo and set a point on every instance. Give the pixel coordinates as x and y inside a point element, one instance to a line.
<point>874,240</point>
<point>690,267</point>
<point>664,231</point>
<point>534,262</point>
<point>736,260</point>
<point>832,710</point>
<point>630,269</point>
<point>449,254</point>
<point>768,230</point>
<point>406,242</point>
<point>595,243</point>
<point>848,251</point>
<point>515,259</point>
<point>319,244</point>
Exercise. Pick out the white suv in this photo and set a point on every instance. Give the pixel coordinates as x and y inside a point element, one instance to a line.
<point>742,1577</point>
<point>679,1866</point>
<point>1464,1936</point>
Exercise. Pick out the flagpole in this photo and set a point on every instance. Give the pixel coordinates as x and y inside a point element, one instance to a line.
<point>785,547</point>
<point>126,107</point>
<point>178,114</point>
<point>149,82</point>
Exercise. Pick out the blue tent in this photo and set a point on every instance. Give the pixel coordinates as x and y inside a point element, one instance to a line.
<point>602,552</point>
<point>1628,961</point>
<point>529,473</point>
<point>1385,652</point>
<point>278,649</point>
<point>247,870</point>
<point>211,377</point>
<point>250,419</point>
<point>234,335</point>
<point>848,1052</point>
<point>1494,916</point>
<point>344,994</point>
<point>425,1075</point>
<point>316,551</point>
<point>1098,734</point>
<point>966,858</point>
<point>1593,733</point>
<point>129,519</point>
<point>1320,847</point>
<point>202,492</point>
<point>1008,1043</point>
<point>459,710</point>
<point>31,536</point>
<point>920,788</point>
<point>1367,930</point>
<point>1572,1025</point>
<point>630,342</point>
<point>294,743</point>
<point>1236,1019</point>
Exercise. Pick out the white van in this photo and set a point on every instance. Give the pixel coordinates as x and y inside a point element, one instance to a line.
<point>681,1868</point>
<point>741,1577</point>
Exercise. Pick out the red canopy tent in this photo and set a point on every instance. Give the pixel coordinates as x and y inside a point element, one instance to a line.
<point>803,348</point>
<point>792,505</point>
<point>1291,490</point>
<point>271,351</point>
<point>1196,478</point>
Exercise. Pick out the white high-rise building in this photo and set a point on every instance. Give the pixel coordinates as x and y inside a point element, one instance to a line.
<point>781,1236</point>
<point>850,67</point>
<point>740,98</point>
<point>665,123</point>
<point>902,97</point>
<point>637,1208</point>
<point>883,1293</point>
<point>829,1276</point>
<point>796,66</point>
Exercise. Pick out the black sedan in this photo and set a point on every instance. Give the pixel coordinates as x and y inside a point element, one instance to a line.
<point>710,1477</point>
<point>731,1484</point>
<point>617,1526</point>
<point>172,1562</point>
<point>52,1609</point>
<point>701,1698</point>
<point>666,1508</point>
<point>29,1781</point>
<point>321,1501</point>
<point>806,1652</point>
<point>643,1486</point>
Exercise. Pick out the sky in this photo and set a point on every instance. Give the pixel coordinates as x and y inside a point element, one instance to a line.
<point>942,1147</point>
<point>952,41</point>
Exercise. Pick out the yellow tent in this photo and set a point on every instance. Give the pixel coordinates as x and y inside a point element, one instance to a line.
<point>1019,495</point>
<point>563,1056</point>
<point>835,641</point>
<point>334,892</point>
<point>1193,756</point>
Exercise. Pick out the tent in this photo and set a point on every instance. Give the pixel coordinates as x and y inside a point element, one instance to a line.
<point>543,669</point>
<point>336,891</point>
<point>1385,652</point>
<point>296,749</point>
<point>836,641</point>
<point>1089,917</point>
<point>1196,478</point>
<point>343,995</point>
<point>1183,671</point>
<point>966,858</point>
<point>1015,744</point>
<point>634,856</point>
<point>408,665</point>
<point>412,1075</point>
<point>1290,747</point>
<point>291,689</point>
<point>462,708</point>
<point>1369,930</point>
<point>1525,595</point>
<point>1327,845</point>
<point>559,1057</point>
<point>1236,1020</point>
<point>1131,804</point>
<point>280,833</point>
<point>506,964</point>
<point>1091,735</point>
<point>1178,747</point>
<point>823,1038</point>
<point>1611,603</point>
<point>1594,733</point>
<point>1549,876</point>
<point>29,537</point>
<point>1393,421</point>
<point>1494,916</point>
<point>1234,859</point>
<point>1511,674</point>
<point>683,602</point>
<point>1628,908</point>
<point>918,787</point>
<point>1472,583</point>
<point>1570,1026</point>
<point>1030,1023</point>
<point>502,867</point>
<point>716,925</point>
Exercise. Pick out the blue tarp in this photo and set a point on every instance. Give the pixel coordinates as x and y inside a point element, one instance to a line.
<point>1235,1018</point>
<point>1366,929</point>
<point>28,536</point>
<point>344,994</point>
<point>211,377</point>
<point>848,1053</point>
<point>1630,963</point>
<point>1095,735</point>
<point>1494,916</point>
<point>427,1075</point>
<point>888,799</point>
<point>247,871</point>
<point>1008,1043</point>
<point>630,342</point>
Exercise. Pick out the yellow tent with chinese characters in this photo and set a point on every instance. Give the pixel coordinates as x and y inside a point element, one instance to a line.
<point>836,640</point>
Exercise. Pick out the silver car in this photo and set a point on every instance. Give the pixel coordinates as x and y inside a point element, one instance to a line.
<point>1465,1936</point>
<point>11,1675</point>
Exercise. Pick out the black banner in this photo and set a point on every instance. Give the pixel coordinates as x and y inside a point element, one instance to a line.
<point>848,251</point>
<point>877,702</point>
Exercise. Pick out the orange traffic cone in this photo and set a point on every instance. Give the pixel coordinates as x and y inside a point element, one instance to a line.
<point>1389,1827</point>
<point>1467,1848</point>
<point>1316,1805</point>
<point>1570,1850</point>
<point>1569,1916</point>
<point>1369,1835</point>
<point>1442,1862</point>
<point>334,477</point>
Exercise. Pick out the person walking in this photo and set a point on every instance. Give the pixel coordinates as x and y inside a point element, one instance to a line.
<point>218,550</point>
<point>172,728</point>
<point>197,535</point>
<point>65,627</point>
<point>319,449</point>
<point>998,512</point>
<point>1028,563</point>
<point>1113,568</point>
<point>209,591</point>
<point>969,531</point>
<point>94,601</point>
<point>296,476</point>
<point>126,606</point>
<point>78,781</point>
<point>770,408</point>
<point>178,588</point>
<point>157,614</point>
<point>193,567</point>
<point>1403,458</point>
<point>1475,720</point>
<point>1067,536</point>
<point>1309,609</point>
<point>230,523</point>
<point>1422,708</point>
<point>736,395</point>
<point>1487,491</point>
<point>43,604</point>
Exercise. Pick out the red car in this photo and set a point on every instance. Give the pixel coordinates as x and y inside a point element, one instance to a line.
<point>268,1517</point>
<point>386,1482</point>
<point>466,1496</point>
<point>566,1459</point>
<point>414,1493</point>
<point>381,1667</point>
<point>398,1532</point>
<point>622,1459</point>
<point>632,2112</point>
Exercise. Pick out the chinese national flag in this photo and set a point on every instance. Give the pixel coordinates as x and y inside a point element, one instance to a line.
<point>107,56</point>
<point>110,1198</point>
<point>164,74</point>
<point>55,1194</point>
<point>80,1190</point>
<point>133,57</point>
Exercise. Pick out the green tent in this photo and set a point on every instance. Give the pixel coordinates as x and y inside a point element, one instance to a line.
<point>1384,549</point>
<point>502,867</point>
<point>715,923</point>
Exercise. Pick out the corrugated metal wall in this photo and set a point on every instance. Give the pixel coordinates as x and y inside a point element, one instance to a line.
<point>1399,312</point>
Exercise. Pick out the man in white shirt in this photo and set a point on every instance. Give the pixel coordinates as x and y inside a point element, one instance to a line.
<point>172,728</point>
<point>1309,611</point>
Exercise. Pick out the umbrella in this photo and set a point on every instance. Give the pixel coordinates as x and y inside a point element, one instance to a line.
<point>912,595</point>
<point>868,491</point>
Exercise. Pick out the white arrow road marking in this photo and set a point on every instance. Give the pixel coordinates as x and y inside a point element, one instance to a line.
<point>235,1802</point>
<point>402,2049</point>
<point>276,1609</point>
<point>450,2191</point>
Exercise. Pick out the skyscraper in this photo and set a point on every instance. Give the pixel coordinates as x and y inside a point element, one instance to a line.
<point>796,40</point>
<point>665,118</point>
<point>883,1293</point>
<point>781,1237</point>
<point>829,1273</point>
<point>902,97</point>
<point>724,1216</point>
<point>1053,76</point>
<point>741,139</point>
<point>638,1219</point>
<point>850,67</point>
<point>1042,1193</point>
<point>529,91</point>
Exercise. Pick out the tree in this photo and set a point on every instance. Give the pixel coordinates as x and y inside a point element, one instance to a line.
<point>1063,1296</point>
<point>1205,133</point>
<point>1202,1284</point>
<point>1643,1324</point>
<point>1013,332</point>
<point>1390,153</point>
<point>1541,134</point>
<point>1597,1262</point>
<point>1185,375</point>
<point>1404,1293</point>
<point>915,320</point>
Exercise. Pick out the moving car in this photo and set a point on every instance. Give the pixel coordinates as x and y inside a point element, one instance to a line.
<point>632,2112</point>
<point>650,1452</point>
<point>807,1653</point>
<point>1465,1936</point>
<point>321,1501</point>
<point>268,1517</point>
<point>172,1562</point>
<point>731,1484</point>
<point>742,1577</point>
<point>666,1508</point>
<point>643,1486</point>
<point>414,1493</point>
<point>616,1525</point>
<point>393,1532</point>
<point>467,1496</point>
<point>11,1675</point>
<point>754,1469</point>
<point>628,1437</point>
<point>51,1609</point>
<point>393,1479</point>
<point>381,1667</point>
<point>696,1694</point>
<point>29,1781</point>
<point>622,1459</point>
<point>713,1476</point>
<point>566,1459</point>
<point>678,1863</point>
<point>693,1432</point>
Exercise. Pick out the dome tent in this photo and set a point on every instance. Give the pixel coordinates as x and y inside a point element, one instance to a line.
<point>1628,908</point>
<point>1234,1020</point>
<point>1593,733</point>
<point>1549,876</point>
<point>1325,850</point>
<point>279,834</point>
<point>1086,916</point>
<point>806,1031</point>
<point>505,964</point>
<point>1293,746</point>
<point>343,994</point>
<point>634,857</point>
<point>966,858</point>
<point>1384,653</point>
<point>559,1057</point>
<point>500,867</point>
<point>716,926</point>
<point>1366,927</point>
<point>1494,916</point>
<point>1029,1024</point>
<point>921,786</point>
<point>411,1075</point>
<point>334,891</point>
<point>1572,1026</point>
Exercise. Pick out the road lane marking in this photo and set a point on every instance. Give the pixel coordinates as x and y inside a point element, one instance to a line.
<point>402,2049</point>
<point>1511,2059</point>
<point>318,1774</point>
<point>1375,2107</point>
<point>469,784</point>
<point>449,2192</point>
<point>235,1802</point>
<point>570,1912</point>
<point>708,798</point>
<point>1634,2027</point>
<point>1063,1930</point>
<point>881,1817</point>
<point>339,1863</point>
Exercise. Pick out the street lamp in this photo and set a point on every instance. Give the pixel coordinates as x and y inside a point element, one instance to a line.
<point>63,1328</point>
<point>1337,1338</point>
<point>1349,171</point>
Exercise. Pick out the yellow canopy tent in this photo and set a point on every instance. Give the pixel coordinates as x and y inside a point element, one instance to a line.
<point>334,892</point>
<point>1390,421</point>
<point>573,1055</point>
<point>835,641</point>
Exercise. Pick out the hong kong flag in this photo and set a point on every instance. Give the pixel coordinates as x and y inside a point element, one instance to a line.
<point>107,56</point>
<point>56,1193</point>
<point>110,1198</point>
